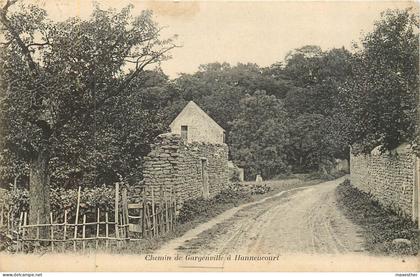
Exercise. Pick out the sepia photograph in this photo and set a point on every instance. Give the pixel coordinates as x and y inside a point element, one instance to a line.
<point>235,136</point>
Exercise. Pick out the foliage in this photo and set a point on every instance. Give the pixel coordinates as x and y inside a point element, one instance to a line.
<point>91,199</point>
<point>232,195</point>
<point>259,189</point>
<point>315,132</point>
<point>380,99</point>
<point>127,129</point>
<point>381,226</point>
<point>219,87</point>
<point>83,92</point>
<point>68,93</point>
<point>259,134</point>
<point>191,208</point>
<point>316,76</point>
<point>235,176</point>
<point>17,201</point>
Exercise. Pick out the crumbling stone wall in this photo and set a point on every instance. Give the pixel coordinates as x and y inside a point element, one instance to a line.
<point>175,166</point>
<point>388,177</point>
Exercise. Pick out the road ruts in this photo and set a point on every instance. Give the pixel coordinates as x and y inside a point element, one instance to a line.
<point>305,220</point>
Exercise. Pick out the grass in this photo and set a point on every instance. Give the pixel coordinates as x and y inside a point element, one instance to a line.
<point>381,226</point>
<point>315,175</point>
<point>199,211</point>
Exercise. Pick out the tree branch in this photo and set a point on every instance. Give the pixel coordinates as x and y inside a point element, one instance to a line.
<point>134,74</point>
<point>15,35</point>
<point>33,68</point>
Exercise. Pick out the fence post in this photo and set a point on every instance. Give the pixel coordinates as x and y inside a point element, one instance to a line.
<point>19,239</point>
<point>116,214</point>
<point>106,230</point>
<point>146,219</point>
<point>122,235</point>
<point>125,210</point>
<point>76,221</point>
<point>125,228</point>
<point>37,227</point>
<point>84,232</point>
<point>65,230</point>
<point>143,216</point>
<point>142,219</point>
<point>8,222</point>
<point>97,229</point>
<point>25,216</point>
<point>52,231</point>
<point>153,213</point>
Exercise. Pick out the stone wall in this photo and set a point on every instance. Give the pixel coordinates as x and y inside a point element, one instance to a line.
<point>388,177</point>
<point>177,167</point>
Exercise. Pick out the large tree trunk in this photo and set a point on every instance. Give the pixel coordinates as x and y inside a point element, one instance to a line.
<point>39,187</point>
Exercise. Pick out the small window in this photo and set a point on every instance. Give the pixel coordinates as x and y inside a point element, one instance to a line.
<point>184,133</point>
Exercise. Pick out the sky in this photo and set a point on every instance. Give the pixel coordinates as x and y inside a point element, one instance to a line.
<point>243,31</point>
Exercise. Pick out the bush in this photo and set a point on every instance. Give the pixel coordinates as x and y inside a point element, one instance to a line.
<point>231,196</point>
<point>260,189</point>
<point>235,176</point>
<point>191,208</point>
<point>65,199</point>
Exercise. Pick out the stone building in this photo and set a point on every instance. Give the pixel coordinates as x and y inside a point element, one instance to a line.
<point>189,162</point>
<point>194,125</point>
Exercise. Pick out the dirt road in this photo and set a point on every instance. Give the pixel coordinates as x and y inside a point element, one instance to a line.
<point>303,220</point>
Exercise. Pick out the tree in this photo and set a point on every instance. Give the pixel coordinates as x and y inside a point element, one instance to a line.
<point>124,129</point>
<point>128,126</point>
<point>219,87</point>
<point>313,106</point>
<point>259,134</point>
<point>317,76</point>
<point>379,100</point>
<point>60,75</point>
<point>313,143</point>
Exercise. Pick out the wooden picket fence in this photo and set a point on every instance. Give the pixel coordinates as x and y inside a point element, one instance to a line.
<point>154,217</point>
<point>131,222</point>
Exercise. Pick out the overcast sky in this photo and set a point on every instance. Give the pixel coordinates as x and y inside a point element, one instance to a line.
<point>239,31</point>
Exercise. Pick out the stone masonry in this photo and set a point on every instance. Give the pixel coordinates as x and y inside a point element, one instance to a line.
<point>188,170</point>
<point>388,177</point>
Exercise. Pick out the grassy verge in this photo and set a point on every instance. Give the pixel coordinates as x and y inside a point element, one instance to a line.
<point>381,226</point>
<point>198,211</point>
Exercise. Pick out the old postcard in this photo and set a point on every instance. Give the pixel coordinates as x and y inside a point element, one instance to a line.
<point>209,135</point>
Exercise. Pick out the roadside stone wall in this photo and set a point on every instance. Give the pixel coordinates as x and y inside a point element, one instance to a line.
<point>176,167</point>
<point>388,177</point>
